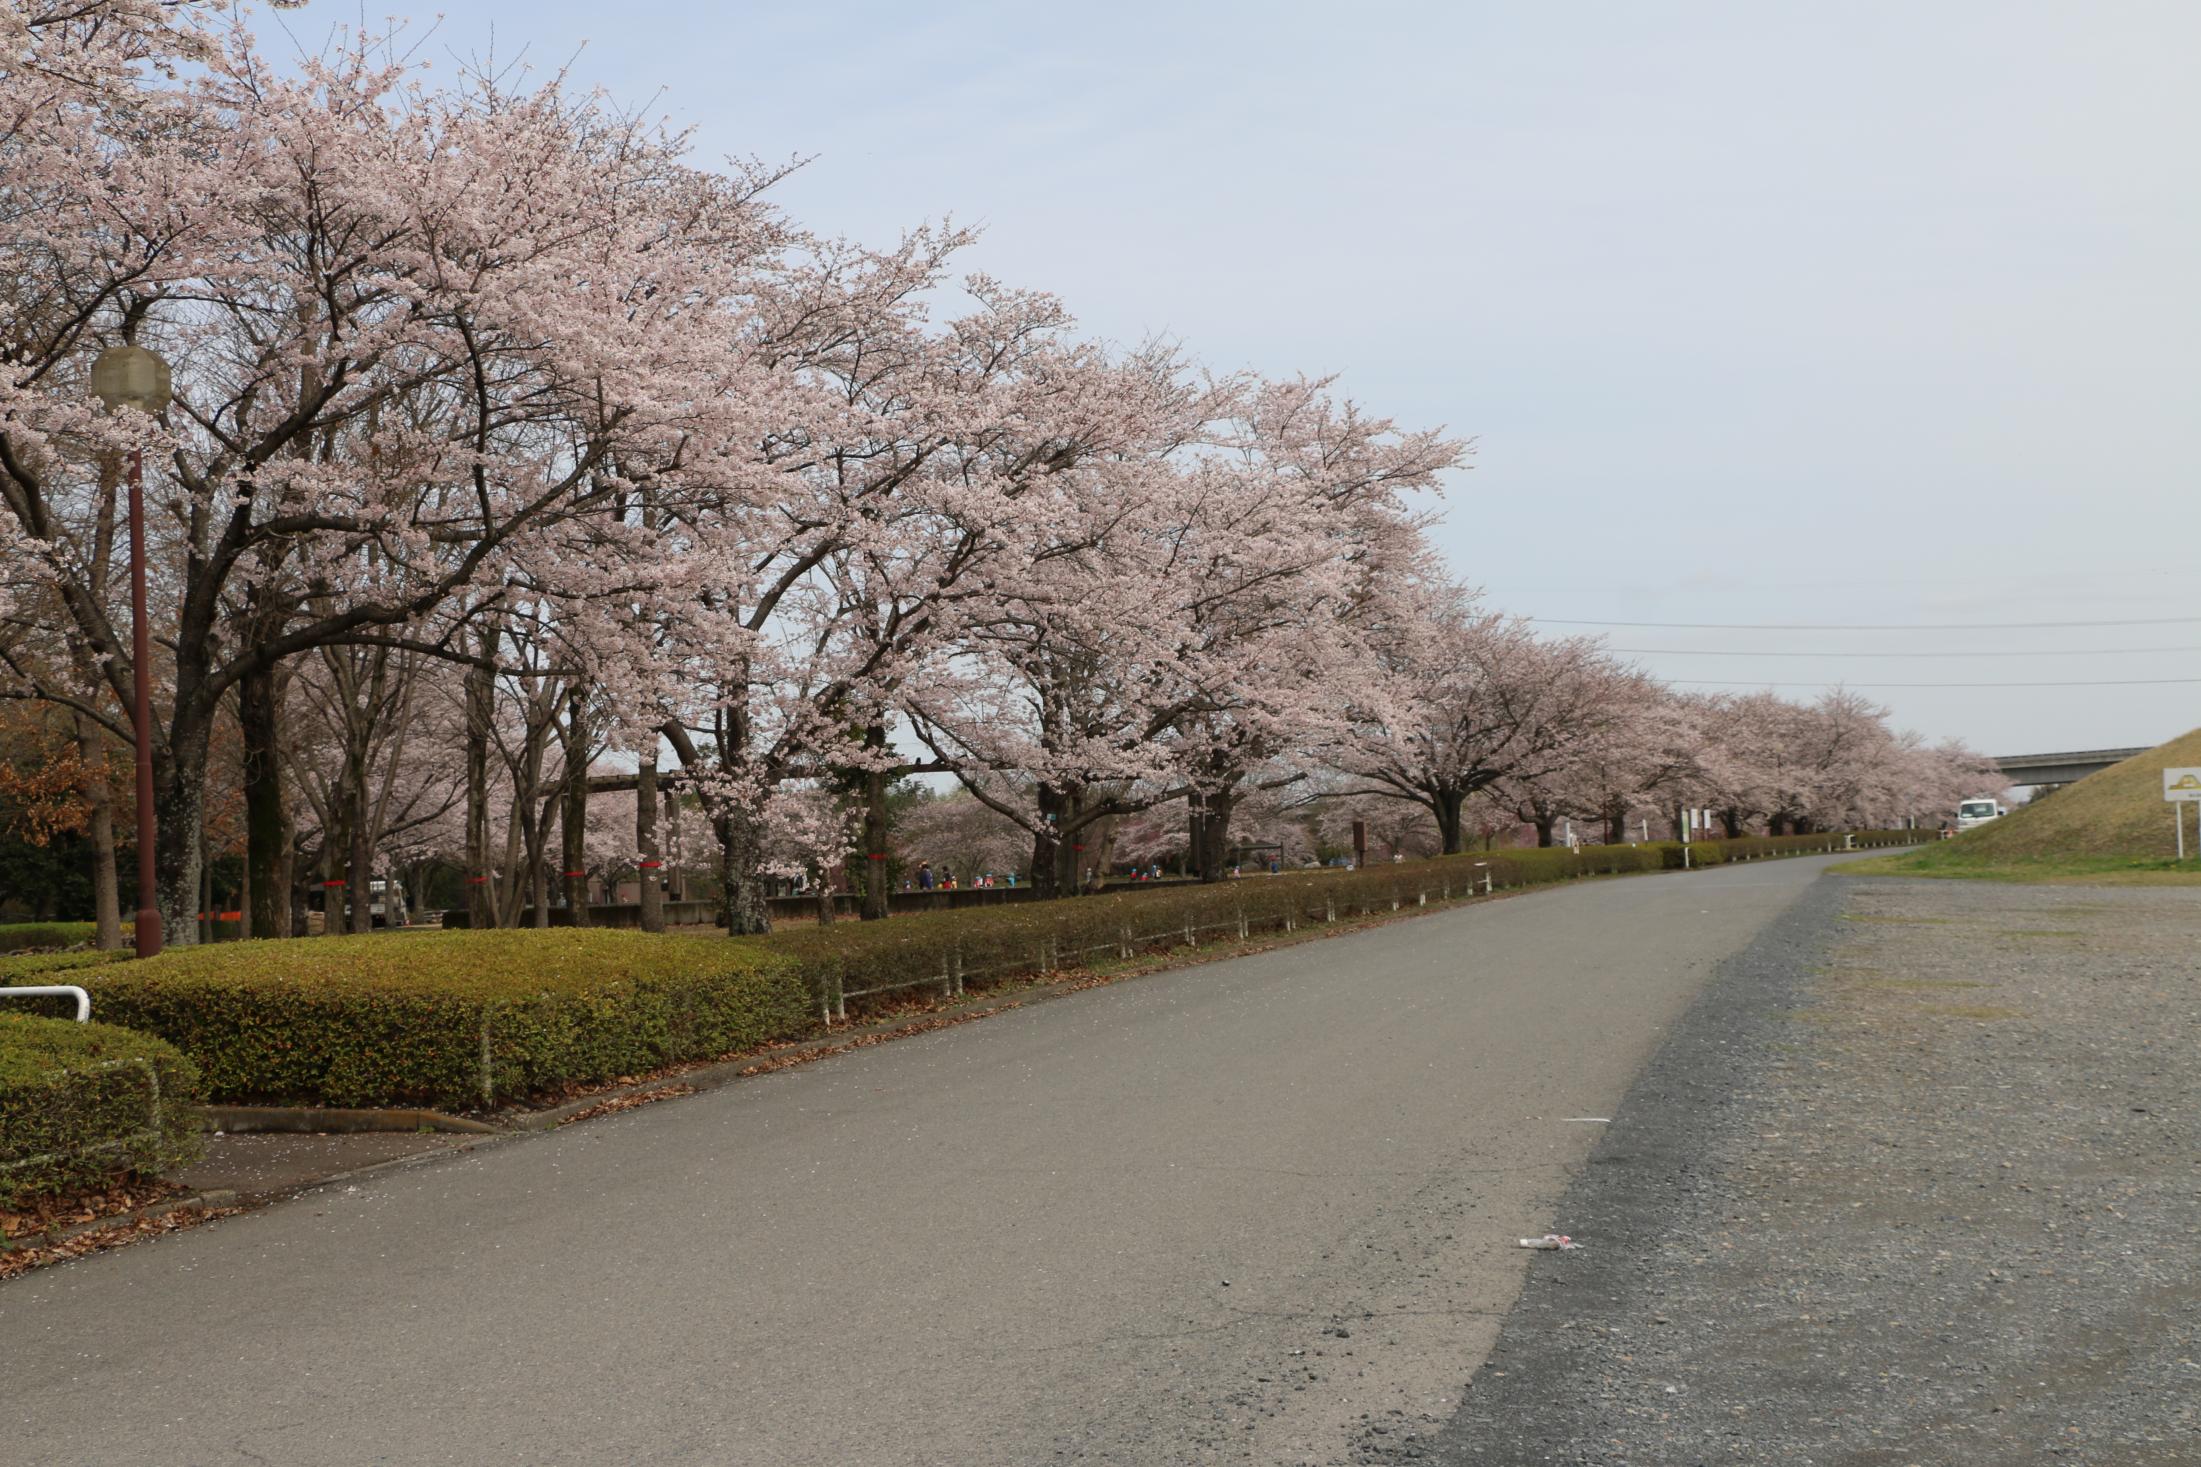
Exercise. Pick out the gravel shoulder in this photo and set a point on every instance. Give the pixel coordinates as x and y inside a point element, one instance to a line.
<point>1914,1182</point>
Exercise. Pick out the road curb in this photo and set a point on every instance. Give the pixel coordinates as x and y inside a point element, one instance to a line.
<point>254,1120</point>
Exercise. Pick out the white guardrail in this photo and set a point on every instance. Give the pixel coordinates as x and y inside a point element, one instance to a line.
<point>56,990</point>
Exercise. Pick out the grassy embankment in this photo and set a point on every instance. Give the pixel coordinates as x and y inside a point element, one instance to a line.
<point>2111,828</point>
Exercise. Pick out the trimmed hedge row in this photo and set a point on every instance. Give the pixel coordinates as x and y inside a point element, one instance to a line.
<point>81,1104</point>
<point>16,936</point>
<point>472,1019</point>
<point>458,1019</point>
<point>849,961</point>
<point>41,967</point>
<point>20,969</point>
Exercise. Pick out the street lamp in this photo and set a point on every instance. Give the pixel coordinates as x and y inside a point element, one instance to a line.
<point>132,377</point>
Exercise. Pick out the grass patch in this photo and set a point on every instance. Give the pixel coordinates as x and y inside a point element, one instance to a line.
<point>1947,861</point>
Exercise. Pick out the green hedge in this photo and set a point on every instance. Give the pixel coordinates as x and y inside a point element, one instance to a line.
<point>472,1019</point>
<point>456,1019</point>
<point>16,936</point>
<point>81,1104</point>
<point>1761,847</point>
<point>41,967</point>
<point>847,962</point>
<point>19,969</point>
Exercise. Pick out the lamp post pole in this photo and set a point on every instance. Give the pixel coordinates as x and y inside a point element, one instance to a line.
<point>141,714</point>
<point>131,376</point>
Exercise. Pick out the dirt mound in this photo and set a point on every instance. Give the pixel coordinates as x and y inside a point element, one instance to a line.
<point>2119,812</point>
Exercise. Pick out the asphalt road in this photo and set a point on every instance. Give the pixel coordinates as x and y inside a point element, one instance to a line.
<point>1256,1211</point>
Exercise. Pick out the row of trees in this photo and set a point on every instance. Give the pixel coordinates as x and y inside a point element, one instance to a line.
<point>521,473</point>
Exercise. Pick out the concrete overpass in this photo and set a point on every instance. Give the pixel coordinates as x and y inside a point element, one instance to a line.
<point>2064,768</point>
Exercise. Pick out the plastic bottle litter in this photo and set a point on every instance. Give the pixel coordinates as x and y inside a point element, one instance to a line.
<point>1557,1242</point>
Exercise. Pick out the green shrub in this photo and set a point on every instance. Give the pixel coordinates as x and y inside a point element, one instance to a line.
<point>17,936</point>
<point>456,1019</point>
<point>19,969</point>
<point>83,1103</point>
<point>467,1019</point>
<point>1759,847</point>
<point>848,961</point>
<point>40,967</point>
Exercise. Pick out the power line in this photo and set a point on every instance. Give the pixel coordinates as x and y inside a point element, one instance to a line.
<point>2132,682</point>
<point>1885,626</point>
<point>2054,652</point>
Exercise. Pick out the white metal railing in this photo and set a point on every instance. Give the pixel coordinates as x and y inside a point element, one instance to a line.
<point>56,990</point>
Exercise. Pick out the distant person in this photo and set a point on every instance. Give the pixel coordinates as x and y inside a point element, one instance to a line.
<point>924,876</point>
<point>1012,878</point>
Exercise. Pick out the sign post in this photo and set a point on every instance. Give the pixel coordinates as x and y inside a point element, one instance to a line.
<point>2183,787</point>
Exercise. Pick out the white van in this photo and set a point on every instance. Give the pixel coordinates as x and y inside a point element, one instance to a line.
<point>1977,812</point>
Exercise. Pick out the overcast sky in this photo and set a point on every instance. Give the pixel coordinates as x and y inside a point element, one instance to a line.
<point>1758,312</point>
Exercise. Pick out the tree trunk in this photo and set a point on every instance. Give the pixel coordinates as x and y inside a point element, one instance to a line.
<point>535,859</point>
<point>179,814</point>
<point>1731,822</point>
<point>1616,826</point>
<point>1544,824</point>
<point>267,822</point>
<point>481,904</point>
<point>1070,864</point>
<point>649,866</point>
<point>740,847</point>
<point>878,870</point>
<point>99,799</point>
<point>1049,850</point>
<point>1211,826</point>
<point>1448,807</point>
<point>205,903</point>
<point>1102,839</point>
<point>361,851</point>
<point>573,816</point>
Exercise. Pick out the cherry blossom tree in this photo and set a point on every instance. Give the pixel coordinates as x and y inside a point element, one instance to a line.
<point>419,335</point>
<point>1453,699</point>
